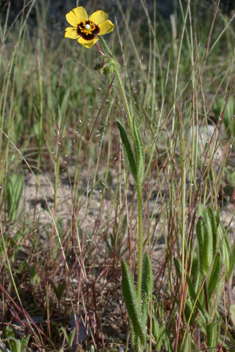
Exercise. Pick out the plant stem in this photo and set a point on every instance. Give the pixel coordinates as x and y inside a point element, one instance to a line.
<point>138,183</point>
<point>39,132</point>
<point>198,341</point>
<point>140,225</point>
<point>108,51</point>
<point>125,102</point>
<point>100,51</point>
<point>206,298</point>
<point>139,195</point>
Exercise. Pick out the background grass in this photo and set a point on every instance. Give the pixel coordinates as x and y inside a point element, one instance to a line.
<point>57,121</point>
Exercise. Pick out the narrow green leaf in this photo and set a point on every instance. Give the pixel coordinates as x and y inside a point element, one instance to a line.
<point>167,341</point>
<point>200,230</point>
<point>209,335</point>
<point>232,313</point>
<point>196,274</point>
<point>24,342</point>
<point>214,276</point>
<point>132,304</point>
<point>218,217</point>
<point>155,328</point>
<point>158,333</point>
<point>187,347</point>
<point>200,209</point>
<point>128,154</point>
<point>72,336</point>
<point>213,226</point>
<point>147,287</point>
<point>227,256</point>
<point>139,152</point>
<point>137,345</point>
<point>20,185</point>
<point>232,262</point>
<point>177,266</point>
<point>212,333</point>
<point>10,196</point>
<point>172,318</point>
<point>189,314</point>
<point>14,192</point>
<point>65,334</point>
<point>208,243</point>
<point>61,288</point>
<point>216,299</point>
<point>194,295</point>
<point>54,288</point>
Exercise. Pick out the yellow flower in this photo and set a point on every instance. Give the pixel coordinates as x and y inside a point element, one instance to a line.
<point>85,29</point>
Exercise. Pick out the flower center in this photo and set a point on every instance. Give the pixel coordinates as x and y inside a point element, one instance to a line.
<point>87,30</point>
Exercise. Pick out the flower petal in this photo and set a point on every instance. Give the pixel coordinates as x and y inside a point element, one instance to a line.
<point>87,43</point>
<point>105,27</point>
<point>71,32</point>
<point>71,19</point>
<point>99,17</point>
<point>76,16</point>
<point>80,13</point>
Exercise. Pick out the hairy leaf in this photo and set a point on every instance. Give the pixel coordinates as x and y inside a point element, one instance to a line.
<point>132,304</point>
<point>139,152</point>
<point>128,154</point>
<point>147,287</point>
<point>214,276</point>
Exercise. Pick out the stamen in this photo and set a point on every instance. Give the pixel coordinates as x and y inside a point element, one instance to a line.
<point>87,29</point>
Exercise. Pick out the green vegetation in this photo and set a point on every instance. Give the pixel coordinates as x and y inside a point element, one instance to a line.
<point>83,177</point>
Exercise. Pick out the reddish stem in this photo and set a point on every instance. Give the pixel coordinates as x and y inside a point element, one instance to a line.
<point>198,340</point>
<point>100,51</point>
